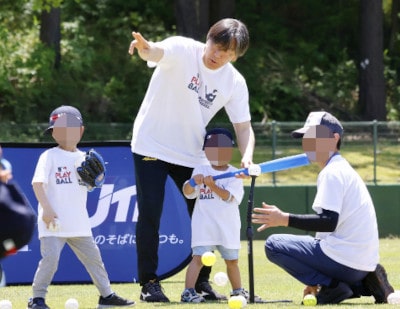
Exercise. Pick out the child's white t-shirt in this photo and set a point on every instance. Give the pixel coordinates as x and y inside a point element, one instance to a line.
<point>215,221</point>
<point>181,99</point>
<point>57,171</point>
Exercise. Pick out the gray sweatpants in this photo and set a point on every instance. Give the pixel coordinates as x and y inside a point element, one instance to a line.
<point>87,252</point>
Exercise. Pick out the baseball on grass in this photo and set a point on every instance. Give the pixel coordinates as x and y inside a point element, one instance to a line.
<point>5,304</point>
<point>243,299</point>
<point>220,278</point>
<point>235,302</point>
<point>394,298</point>
<point>71,303</point>
<point>309,300</point>
<point>208,258</point>
<point>54,225</point>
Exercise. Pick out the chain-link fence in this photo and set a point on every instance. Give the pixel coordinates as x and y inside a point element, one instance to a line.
<point>371,147</point>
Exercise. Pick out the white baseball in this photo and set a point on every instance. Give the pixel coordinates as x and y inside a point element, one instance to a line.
<point>221,278</point>
<point>54,226</point>
<point>243,299</point>
<point>394,298</point>
<point>5,304</point>
<point>254,170</point>
<point>71,303</point>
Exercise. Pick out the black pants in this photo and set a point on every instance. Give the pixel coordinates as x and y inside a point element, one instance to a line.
<point>151,176</point>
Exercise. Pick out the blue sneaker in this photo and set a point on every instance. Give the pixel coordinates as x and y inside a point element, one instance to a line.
<point>190,296</point>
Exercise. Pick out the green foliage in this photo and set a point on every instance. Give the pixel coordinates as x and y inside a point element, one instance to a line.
<point>274,92</point>
<point>24,64</point>
<point>45,5</point>
<point>333,88</point>
<point>391,72</point>
<point>298,60</point>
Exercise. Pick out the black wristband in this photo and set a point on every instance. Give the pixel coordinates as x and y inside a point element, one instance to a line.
<point>324,222</point>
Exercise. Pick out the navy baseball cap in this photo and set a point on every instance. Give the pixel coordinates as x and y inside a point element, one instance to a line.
<point>319,118</point>
<point>17,219</point>
<point>218,137</point>
<point>63,110</point>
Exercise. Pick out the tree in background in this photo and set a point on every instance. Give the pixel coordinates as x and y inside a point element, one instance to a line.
<point>372,84</point>
<point>50,32</point>
<point>194,18</point>
<point>304,55</point>
<point>392,58</point>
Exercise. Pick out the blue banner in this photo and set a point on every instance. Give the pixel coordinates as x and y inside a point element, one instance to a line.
<point>113,213</point>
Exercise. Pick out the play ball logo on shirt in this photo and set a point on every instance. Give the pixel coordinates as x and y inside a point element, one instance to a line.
<point>63,175</point>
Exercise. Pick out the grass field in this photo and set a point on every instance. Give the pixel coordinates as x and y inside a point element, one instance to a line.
<point>271,283</point>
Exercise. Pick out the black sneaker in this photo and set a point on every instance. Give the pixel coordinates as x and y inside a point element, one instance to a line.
<point>37,303</point>
<point>334,295</point>
<point>114,301</point>
<point>152,293</point>
<point>378,284</point>
<point>204,289</point>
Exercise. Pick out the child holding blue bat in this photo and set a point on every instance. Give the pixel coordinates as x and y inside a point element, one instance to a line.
<point>342,260</point>
<point>216,218</point>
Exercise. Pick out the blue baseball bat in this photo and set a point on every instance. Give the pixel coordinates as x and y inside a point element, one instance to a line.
<point>267,167</point>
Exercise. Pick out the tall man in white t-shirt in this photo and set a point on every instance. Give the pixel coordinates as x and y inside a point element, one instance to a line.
<point>192,81</point>
<point>341,261</point>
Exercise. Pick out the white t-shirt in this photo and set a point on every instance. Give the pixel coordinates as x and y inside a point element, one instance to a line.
<point>215,221</point>
<point>355,242</point>
<point>56,170</point>
<point>182,97</point>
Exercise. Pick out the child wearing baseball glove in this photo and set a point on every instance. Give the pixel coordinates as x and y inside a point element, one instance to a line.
<point>62,178</point>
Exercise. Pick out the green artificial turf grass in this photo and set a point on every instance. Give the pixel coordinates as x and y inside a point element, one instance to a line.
<point>271,283</point>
